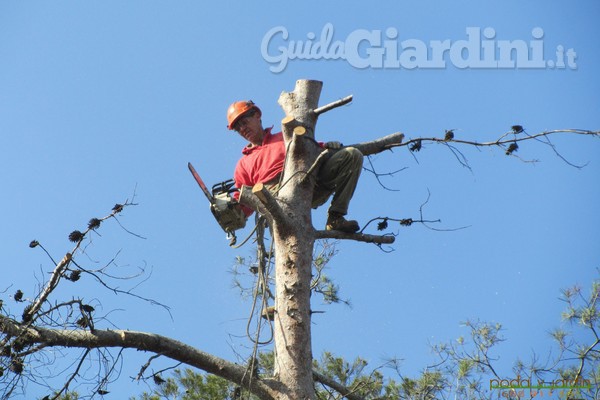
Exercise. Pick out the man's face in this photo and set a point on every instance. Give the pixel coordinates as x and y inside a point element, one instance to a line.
<point>250,128</point>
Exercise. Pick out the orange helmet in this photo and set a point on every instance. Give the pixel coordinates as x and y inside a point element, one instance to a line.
<point>237,109</point>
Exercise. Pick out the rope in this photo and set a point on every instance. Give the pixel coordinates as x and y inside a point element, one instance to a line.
<point>261,288</point>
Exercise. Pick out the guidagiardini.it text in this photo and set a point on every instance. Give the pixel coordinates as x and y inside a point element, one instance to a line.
<point>379,49</point>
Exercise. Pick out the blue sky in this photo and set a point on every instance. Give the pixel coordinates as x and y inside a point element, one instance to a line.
<point>101,100</point>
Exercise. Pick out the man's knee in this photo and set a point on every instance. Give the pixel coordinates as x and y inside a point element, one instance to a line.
<point>355,157</point>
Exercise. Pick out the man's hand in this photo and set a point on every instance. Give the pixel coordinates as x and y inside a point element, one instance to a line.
<point>333,145</point>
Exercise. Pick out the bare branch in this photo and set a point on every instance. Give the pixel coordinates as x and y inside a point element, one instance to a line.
<point>378,145</point>
<point>378,175</point>
<point>141,341</point>
<point>78,238</point>
<point>507,142</point>
<point>50,286</point>
<point>249,199</point>
<point>359,237</point>
<point>265,197</point>
<point>332,105</point>
<point>127,292</point>
<point>73,375</point>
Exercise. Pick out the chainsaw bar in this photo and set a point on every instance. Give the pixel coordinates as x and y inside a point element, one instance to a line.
<point>200,182</point>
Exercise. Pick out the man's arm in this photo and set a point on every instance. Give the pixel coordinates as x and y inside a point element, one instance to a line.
<point>240,177</point>
<point>247,210</point>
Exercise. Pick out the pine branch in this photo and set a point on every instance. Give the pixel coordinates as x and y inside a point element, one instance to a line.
<point>140,341</point>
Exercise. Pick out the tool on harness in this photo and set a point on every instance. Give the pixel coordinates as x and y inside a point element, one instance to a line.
<point>224,207</point>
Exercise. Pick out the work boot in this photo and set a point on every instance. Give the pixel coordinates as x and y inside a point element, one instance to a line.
<point>337,222</point>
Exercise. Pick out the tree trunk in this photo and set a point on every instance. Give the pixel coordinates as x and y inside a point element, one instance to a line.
<point>294,238</point>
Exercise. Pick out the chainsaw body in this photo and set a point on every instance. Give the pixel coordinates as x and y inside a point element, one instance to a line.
<point>225,208</point>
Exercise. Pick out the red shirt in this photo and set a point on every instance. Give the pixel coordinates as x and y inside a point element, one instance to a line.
<point>261,163</point>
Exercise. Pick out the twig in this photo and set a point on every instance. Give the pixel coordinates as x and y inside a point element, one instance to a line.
<point>378,175</point>
<point>73,375</point>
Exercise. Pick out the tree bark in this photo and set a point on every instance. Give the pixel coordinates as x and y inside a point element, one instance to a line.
<point>294,240</point>
<point>377,146</point>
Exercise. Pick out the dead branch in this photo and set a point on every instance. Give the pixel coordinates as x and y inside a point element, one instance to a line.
<point>51,285</point>
<point>249,199</point>
<point>378,145</point>
<point>73,376</point>
<point>266,198</point>
<point>502,141</point>
<point>383,222</point>
<point>141,341</point>
<point>19,338</point>
<point>378,175</point>
<point>507,143</point>
<point>332,105</point>
<point>359,237</point>
<point>77,237</point>
<point>128,292</point>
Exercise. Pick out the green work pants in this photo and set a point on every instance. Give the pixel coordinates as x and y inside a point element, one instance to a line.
<point>338,176</point>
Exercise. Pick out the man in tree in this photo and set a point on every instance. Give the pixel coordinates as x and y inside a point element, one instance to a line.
<point>263,160</point>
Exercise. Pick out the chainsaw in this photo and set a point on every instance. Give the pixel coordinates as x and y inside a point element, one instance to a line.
<point>224,207</point>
